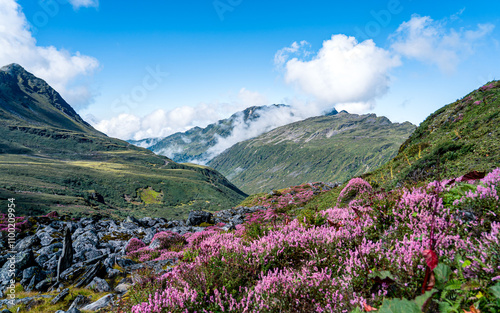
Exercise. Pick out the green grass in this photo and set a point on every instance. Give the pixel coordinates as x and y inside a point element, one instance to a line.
<point>458,138</point>
<point>59,171</point>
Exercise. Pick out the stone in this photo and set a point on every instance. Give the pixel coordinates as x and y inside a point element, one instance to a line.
<point>31,273</point>
<point>131,219</point>
<point>51,264</point>
<point>43,285</point>
<point>99,304</point>
<point>27,243</point>
<point>22,260</point>
<point>237,219</point>
<point>122,288</point>
<point>89,275</point>
<point>31,284</point>
<point>85,241</point>
<point>42,259</point>
<point>73,272</point>
<point>112,273</point>
<point>78,302</point>
<point>66,258</point>
<point>99,285</point>
<point>47,236</point>
<point>50,249</point>
<point>60,296</point>
<point>73,310</point>
<point>93,254</point>
<point>147,222</point>
<point>197,217</point>
<point>228,226</point>
<point>123,263</point>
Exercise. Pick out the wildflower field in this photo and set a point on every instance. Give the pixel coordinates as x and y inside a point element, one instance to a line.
<point>430,248</point>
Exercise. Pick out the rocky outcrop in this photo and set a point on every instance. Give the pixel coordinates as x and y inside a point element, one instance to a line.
<point>66,258</point>
<point>58,253</point>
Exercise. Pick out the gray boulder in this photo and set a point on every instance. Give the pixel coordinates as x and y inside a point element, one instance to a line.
<point>32,276</point>
<point>99,285</point>
<point>43,285</point>
<point>89,275</point>
<point>99,304</point>
<point>78,303</point>
<point>60,296</point>
<point>197,217</point>
<point>27,243</point>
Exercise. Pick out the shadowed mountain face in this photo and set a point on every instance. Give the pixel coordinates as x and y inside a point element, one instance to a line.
<point>325,148</point>
<point>28,100</point>
<point>51,159</point>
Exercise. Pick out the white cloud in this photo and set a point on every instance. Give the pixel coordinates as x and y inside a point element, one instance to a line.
<point>121,126</point>
<point>342,72</point>
<point>283,55</point>
<point>84,3</point>
<point>161,123</point>
<point>61,69</point>
<point>431,42</point>
<point>270,117</point>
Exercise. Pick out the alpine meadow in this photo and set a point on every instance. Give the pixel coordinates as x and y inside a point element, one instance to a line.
<point>249,156</point>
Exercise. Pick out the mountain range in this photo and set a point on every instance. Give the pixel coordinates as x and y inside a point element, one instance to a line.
<point>200,145</point>
<point>328,148</point>
<point>51,159</point>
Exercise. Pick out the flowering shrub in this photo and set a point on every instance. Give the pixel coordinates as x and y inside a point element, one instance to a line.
<point>166,239</point>
<point>487,87</point>
<point>134,244</point>
<point>356,186</point>
<point>388,248</point>
<point>21,223</point>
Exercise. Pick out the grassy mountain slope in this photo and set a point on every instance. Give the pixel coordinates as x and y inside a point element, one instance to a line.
<point>458,138</point>
<point>193,144</point>
<point>325,148</point>
<point>50,159</point>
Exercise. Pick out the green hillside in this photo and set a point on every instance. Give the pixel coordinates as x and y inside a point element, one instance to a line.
<point>458,138</point>
<point>326,148</point>
<point>50,159</point>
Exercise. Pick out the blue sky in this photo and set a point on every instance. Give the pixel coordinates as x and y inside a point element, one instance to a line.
<point>213,58</point>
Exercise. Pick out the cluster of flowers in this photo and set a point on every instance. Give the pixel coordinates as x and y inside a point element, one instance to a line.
<point>295,267</point>
<point>487,87</point>
<point>159,249</point>
<point>21,223</point>
<point>296,195</point>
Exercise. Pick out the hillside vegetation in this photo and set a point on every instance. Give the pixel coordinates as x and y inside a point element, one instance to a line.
<point>325,148</point>
<point>458,138</point>
<point>52,160</point>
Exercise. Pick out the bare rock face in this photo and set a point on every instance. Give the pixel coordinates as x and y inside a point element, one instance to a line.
<point>66,258</point>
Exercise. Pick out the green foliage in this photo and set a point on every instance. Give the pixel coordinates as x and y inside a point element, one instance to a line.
<point>456,193</point>
<point>150,196</point>
<point>399,306</point>
<point>311,217</point>
<point>454,140</point>
<point>255,230</point>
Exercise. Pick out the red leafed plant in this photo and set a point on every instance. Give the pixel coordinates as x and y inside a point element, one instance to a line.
<point>368,308</point>
<point>431,258</point>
